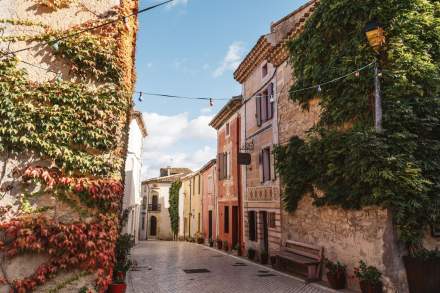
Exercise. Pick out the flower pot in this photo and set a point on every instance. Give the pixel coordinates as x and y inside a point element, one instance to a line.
<point>264,258</point>
<point>117,288</point>
<point>336,281</point>
<point>371,288</point>
<point>219,244</point>
<point>251,254</point>
<point>423,274</point>
<point>211,244</point>
<point>273,260</point>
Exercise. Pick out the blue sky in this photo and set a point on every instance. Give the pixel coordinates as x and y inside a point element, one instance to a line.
<point>191,48</point>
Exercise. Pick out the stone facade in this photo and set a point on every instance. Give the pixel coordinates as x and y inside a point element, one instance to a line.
<point>192,210</point>
<point>35,61</point>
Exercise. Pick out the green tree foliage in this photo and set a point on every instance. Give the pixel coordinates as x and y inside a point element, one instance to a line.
<point>398,169</point>
<point>174,207</point>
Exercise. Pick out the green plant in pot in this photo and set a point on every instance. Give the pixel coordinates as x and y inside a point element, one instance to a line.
<point>421,266</point>
<point>369,278</point>
<point>225,245</point>
<point>264,257</point>
<point>219,243</point>
<point>200,240</point>
<point>123,263</point>
<point>251,253</point>
<point>336,274</point>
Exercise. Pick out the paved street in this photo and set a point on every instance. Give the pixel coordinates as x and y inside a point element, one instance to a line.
<point>162,265</point>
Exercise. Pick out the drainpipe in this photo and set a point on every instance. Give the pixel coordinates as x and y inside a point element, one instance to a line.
<point>190,208</point>
<point>239,189</point>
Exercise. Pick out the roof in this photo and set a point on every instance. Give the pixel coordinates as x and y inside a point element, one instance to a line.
<point>208,165</point>
<point>140,121</point>
<point>226,112</point>
<point>272,47</point>
<point>173,171</point>
<point>164,179</point>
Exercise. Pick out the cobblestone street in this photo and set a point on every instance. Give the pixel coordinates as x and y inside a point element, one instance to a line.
<point>161,268</point>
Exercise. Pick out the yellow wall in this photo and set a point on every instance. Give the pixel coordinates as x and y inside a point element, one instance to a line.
<point>192,210</point>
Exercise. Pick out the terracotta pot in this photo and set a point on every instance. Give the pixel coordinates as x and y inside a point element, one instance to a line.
<point>251,254</point>
<point>371,288</point>
<point>423,274</point>
<point>336,281</point>
<point>219,244</point>
<point>273,260</point>
<point>117,288</point>
<point>264,258</point>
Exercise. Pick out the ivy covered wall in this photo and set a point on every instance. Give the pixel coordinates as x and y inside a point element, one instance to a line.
<point>64,109</point>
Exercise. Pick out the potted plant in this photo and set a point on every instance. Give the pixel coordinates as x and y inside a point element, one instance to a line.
<point>123,263</point>
<point>336,274</point>
<point>251,253</point>
<point>264,257</point>
<point>219,244</point>
<point>237,249</point>
<point>200,240</point>
<point>421,266</point>
<point>369,278</point>
<point>225,245</point>
<point>211,242</point>
<point>273,260</point>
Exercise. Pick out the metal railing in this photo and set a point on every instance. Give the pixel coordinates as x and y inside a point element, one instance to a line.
<point>154,207</point>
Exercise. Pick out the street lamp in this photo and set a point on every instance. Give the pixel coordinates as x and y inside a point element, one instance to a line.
<point>376,38</point>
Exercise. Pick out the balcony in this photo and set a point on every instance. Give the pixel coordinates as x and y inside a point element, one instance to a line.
<point>154,207</point>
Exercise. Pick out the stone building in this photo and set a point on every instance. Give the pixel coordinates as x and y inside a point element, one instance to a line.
<point>346,236</point>
<point>155,220</point>
<point>228,124</point>
<point>209,200</point>
<point>76,131</point>
<point>133,169</point>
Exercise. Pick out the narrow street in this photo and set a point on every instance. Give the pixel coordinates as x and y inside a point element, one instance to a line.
<point>161,268</point>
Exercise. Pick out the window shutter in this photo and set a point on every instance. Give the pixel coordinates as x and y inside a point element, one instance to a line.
<point>260,166</point>
<point>258,112</point>
<point>272,165</point>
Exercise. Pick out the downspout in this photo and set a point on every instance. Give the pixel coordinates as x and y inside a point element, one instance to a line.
<point>190,213</point>
<point>240,214</point>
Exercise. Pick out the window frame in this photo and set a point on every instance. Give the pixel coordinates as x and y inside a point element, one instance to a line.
<point>226,220</point>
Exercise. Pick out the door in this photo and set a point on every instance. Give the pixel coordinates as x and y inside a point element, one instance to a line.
<point>210,225</point>
<point>234,226</point>
<point>265,230</point>
<point>153,226</point>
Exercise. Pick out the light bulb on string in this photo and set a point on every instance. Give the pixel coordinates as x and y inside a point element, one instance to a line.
<point>357,74</point>
<point>140,97</point>
<point>319,89</point>
<point>211,102</point>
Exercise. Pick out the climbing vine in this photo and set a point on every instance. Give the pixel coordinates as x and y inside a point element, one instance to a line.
<point>174,206</point>
<point>355,166</point>
<point>76,129</point>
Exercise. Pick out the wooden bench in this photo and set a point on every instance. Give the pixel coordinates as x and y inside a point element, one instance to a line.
<point>304,254</point>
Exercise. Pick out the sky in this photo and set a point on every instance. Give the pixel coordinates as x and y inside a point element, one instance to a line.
<point>191,48</point>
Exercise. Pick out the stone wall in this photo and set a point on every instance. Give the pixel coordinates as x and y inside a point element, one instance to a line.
<point>74,13</point>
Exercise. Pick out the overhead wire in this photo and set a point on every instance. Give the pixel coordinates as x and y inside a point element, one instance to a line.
<point>67,36</point>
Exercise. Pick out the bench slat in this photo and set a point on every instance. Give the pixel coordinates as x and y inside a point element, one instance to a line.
<point>298,258</point>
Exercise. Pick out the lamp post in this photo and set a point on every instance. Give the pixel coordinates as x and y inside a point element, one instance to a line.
<point>376,38</point>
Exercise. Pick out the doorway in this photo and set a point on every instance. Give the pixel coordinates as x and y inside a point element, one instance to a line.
<point>210,225</point>
<point>265,231</point>
<point>235,227</point>
<point>153,226</point>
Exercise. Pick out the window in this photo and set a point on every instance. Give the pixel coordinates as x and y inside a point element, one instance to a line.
<point>228,129</point>
<point>264,104</point>
<point>264,70</point>
<point>210,185</point>
<point>252,219</point>
<point>223,166</point>
<point>200,182</point>
<point>226,220</point>
<point>272,220</point>
<point>265,164</point>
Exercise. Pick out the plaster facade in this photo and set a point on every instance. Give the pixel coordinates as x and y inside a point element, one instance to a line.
<point>209,200</point>
<point>192,211</point>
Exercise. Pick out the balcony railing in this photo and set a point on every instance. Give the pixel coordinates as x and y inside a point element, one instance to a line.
<point>154,207</point>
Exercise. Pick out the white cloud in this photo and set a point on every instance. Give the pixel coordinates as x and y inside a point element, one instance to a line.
<point>177,3</point>
<point>177,141</point>
<point>232,59</point>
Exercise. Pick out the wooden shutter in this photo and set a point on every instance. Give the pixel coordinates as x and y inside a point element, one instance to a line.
<point>258,110</point>
<point>272,165</point>
<point>260,166</point>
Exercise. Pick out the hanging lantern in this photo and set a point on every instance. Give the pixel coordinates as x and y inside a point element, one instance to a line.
<point>375,35</point>
<point>211,102</point>
<point>140,97</point>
